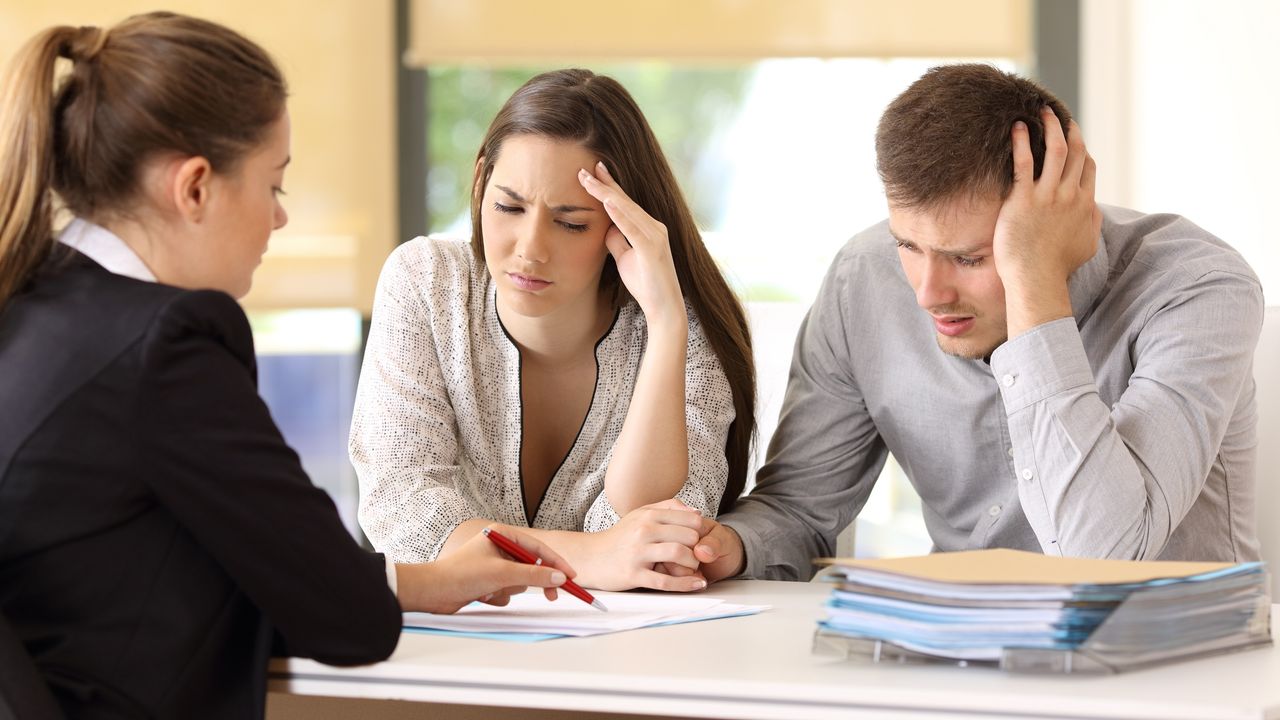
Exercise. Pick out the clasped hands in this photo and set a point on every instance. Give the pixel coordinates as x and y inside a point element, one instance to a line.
<point>663,546</point>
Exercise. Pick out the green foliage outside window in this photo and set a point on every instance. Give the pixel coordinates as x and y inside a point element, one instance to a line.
<point>685,106</point>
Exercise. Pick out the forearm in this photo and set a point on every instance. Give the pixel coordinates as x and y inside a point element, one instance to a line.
<point>1081,489</point>
<point>776,543</point>
<point>651,457</point>
<point>1109,481</point>
<point>1034,299</point>
<point>577,548</point>
<point>824,456</point>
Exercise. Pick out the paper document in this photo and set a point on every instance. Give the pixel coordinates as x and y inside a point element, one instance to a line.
<point>1014,608</point>
<point>532,613</point>
<point>1019,568</point>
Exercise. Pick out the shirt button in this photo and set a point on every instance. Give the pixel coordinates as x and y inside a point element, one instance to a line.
<point>1027,474</point>
<point>1007,380</point>
<point>994,510</point>
<point>1010,452</point>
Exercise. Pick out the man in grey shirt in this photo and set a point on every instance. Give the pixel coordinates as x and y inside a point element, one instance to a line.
<point>1053,375</point>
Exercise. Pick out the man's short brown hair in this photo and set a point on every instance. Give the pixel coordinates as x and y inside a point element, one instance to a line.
<point>947,136</point>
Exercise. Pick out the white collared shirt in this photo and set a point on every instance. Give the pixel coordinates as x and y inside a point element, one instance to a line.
<point>105,248</point>
<point>108,250</point>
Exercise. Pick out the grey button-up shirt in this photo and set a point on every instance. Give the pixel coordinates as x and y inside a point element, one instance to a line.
<point>1127,431</point>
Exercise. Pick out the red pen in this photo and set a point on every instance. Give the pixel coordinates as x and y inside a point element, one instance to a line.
<point>509,546</point>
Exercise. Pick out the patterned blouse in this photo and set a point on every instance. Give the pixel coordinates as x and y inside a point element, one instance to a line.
<point>435,437</point>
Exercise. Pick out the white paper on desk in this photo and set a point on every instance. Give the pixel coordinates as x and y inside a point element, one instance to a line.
<point>530,612</point>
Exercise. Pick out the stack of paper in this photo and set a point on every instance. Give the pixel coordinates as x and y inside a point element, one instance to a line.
<point>531,617</point>
<point>991,605</point>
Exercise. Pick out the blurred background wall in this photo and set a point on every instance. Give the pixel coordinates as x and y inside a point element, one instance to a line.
<point>339,60</point>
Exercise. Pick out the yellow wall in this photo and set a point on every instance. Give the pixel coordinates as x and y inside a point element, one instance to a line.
<point>453,31</point>
<point>339,60</point>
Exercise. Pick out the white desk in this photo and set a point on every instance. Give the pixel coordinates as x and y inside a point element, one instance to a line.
<point>762,667</point>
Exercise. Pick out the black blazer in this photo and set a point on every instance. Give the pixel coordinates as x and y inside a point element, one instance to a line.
<point>157,535</point>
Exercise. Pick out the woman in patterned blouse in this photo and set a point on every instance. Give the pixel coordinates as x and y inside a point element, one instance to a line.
<point>579,367</point>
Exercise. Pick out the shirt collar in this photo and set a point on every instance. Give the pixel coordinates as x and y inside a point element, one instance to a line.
<point>105,248</point>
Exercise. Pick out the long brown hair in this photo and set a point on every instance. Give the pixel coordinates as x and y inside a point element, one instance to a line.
<point>154,83</point>
<point>596,112</point>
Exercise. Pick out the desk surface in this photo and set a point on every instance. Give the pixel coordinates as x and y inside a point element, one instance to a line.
<point>762,666</point>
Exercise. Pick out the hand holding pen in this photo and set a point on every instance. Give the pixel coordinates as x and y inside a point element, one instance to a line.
<point>480,570</point>
<point>511,548</point>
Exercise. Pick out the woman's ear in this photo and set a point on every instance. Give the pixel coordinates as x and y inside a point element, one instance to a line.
<point>191,188</point>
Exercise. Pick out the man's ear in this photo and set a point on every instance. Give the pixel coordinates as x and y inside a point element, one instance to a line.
<point>190,188</point>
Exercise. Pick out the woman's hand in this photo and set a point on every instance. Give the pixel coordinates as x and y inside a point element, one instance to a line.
<point>478,570</point>
<point>641,248</point>
<point>624,556</point>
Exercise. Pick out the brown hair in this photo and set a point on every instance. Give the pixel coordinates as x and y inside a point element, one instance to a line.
<point>948,135</point>
<point>154,83</point>
<point>599,114</point>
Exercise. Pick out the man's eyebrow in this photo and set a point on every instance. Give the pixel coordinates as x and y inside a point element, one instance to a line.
<point>962,252</point>
<point>558,208</point>
<point>959,252</point>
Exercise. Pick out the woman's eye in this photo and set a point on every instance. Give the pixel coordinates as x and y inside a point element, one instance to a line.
<point>573,227</point>
<point>509,209</point>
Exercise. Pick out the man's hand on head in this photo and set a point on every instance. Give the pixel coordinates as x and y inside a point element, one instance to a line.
<point>1048,227</point>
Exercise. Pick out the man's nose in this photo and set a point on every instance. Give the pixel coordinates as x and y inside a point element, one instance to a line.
<point>936,287</point>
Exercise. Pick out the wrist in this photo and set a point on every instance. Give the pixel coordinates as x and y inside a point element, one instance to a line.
<point>1031,303</point>
<point>414,585</point>
<point>667,320</point>
<point>742,552</point>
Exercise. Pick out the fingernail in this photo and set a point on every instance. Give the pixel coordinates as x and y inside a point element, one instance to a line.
<point>557,578</point>
<point>701,584</point>
<point>582,173</point>
<point>600,164</point>
<point>1019,125</point>
<point>705,550</point>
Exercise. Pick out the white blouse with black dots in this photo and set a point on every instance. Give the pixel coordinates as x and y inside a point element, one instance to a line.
<point>435,437</point>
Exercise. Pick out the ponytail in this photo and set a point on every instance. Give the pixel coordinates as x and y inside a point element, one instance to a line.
<point>27,155</point>
<point>155,83</point>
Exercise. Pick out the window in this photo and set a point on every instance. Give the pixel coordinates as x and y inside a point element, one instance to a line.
<point>772,146</point>
<point>308,364</point>
<point>777,159</point>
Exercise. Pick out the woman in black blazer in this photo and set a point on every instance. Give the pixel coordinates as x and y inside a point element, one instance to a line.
<point>158,539</point>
